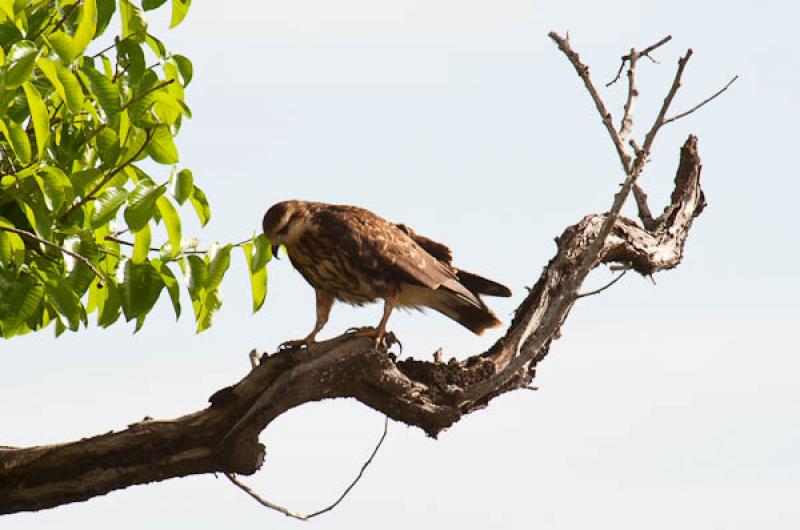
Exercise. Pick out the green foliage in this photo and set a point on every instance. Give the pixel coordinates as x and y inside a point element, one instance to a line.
<point>83,112</point>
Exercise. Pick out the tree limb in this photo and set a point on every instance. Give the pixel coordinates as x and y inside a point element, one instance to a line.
<point>432,396</point>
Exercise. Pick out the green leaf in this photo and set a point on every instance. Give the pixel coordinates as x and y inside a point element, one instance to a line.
<point>66,303</point>
<point>16,136</point>
<point>132,58</point>
<point>201,206</point>
<point>141,204</point>
<point>148,5</point>
<point>181,184</point>
<point>184,67</point>
<point>48,68</point>
<point>209,306</point>
<point>134,25</point>
<point>258,278</point>
<point>20,62</point>
<point>219,261</point>
<point>108,145</point>
<point>263,253</point>
<point>82,276</point>
<point>195,271</point>
<point>53,185</point>
<point>110,310</point>
<point>72,89</point>
<point>161,148</point>
<point>105,10</point>
<point>41,122</point>
<point>140,289</point>
<point>106,93</point>
<point>173,223</point>
<point>86,27</point>
<point>156,45</point>
<point>107,205</point>
<point>179,10</point>
<point>20,296</point>
<point>12,248</point>
<point>84,179</point>
<point>7,6</point>
<point>141,245</point>
<point>171,284</point>
<point>166,107</point>
<point>36,213</point>
<point>63,45</point>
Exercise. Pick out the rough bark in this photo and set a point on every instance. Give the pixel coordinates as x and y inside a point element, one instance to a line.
<point>428,395</point>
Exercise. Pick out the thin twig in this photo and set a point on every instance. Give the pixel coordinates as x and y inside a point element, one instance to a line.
<point>91,195</point>
<point>116,239</point>
<point>626,124</point>
<point>659,122</point>
<point>110,47</point>
<point>583,73</point>
<point>66,16</point>
<point>30,235</point>
<point>707,100</point>
<point>153,88</point>
<point>646,51</point>
<point>603,288</point>
<point>151,249</point>
<point>285,511</point>
<point>643,53</point>
<point>60,22</point>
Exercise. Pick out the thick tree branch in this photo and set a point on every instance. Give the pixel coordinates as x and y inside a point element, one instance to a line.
<point>429,395</point>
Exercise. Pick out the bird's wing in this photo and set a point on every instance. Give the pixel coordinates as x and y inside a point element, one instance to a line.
<point>475,283</point>
<point>434,248</point>
<point>383,250</point>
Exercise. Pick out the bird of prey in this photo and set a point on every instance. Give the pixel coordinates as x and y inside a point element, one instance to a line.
<point>350,254</point>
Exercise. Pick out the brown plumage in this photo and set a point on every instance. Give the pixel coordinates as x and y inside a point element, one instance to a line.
<point>350,254</point>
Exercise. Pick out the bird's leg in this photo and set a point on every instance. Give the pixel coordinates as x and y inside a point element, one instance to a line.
<point>324,304</point>
<point>379,332</point>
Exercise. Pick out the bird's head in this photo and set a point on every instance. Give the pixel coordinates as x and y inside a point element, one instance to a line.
<point>284,222</point>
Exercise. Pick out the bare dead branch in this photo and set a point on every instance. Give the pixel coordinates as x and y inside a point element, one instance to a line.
<point>659,121</point>
<point>626,124</point>
<point>644,53</point>
<point>334,504</point>
<point>644,209</point>
<point>583,73</point>
<point>261,500</point>
<point>702,103</point>
<point>652,47</point>
<point>617,278</point>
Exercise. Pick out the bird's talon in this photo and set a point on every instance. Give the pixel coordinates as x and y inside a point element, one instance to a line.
<point>294,344</point>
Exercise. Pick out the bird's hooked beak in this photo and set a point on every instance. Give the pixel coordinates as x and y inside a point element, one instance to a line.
<point>276,247</point>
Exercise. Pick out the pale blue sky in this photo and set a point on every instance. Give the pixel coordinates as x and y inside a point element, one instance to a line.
<point>662,407</point>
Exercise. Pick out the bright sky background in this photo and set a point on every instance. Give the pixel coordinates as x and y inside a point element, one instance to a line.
<point>662,407</point>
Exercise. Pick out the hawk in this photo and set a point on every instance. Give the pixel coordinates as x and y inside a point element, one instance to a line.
<point>350,254</point>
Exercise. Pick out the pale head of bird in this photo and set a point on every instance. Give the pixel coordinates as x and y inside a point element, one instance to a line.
<point>284,222</point>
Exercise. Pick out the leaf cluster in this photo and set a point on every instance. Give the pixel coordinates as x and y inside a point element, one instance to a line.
<point>77,209</point>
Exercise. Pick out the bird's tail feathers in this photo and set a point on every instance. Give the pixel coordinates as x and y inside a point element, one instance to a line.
<point>480,285</point>
<point>474,316</point>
